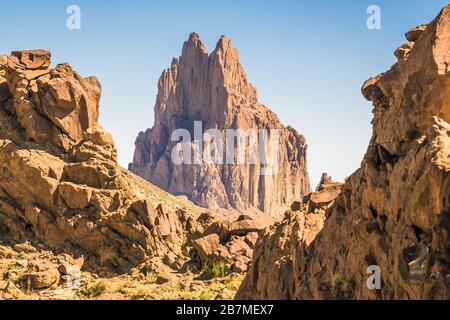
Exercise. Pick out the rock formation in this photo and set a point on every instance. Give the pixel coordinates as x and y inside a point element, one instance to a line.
<point>60,185</point>
<point>229,241</point>
<point>393,212</point>
<point>61,188</point>
<point>214,90</point>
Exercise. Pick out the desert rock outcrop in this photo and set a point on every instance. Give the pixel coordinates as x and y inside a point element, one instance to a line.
<point>212,88</point>
<point>60,185</point>
<point>394,211</point>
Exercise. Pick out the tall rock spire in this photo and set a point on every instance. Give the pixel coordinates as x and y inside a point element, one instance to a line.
<point>213,88</point>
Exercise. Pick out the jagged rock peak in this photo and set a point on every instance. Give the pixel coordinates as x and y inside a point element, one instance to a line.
<point>214,89</point>
<point>193,46</point>
<point>223,43</point>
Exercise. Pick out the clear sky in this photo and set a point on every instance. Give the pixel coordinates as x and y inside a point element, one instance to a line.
<point>308,58</point>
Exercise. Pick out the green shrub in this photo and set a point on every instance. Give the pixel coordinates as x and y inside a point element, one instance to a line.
<point>205,295</point>
<point>95,290</point>
<point>218,269</point>
<point>150,278</point>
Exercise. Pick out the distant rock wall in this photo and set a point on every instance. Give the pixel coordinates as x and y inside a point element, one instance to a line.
<point>213,88</point>
<point>393,212</point>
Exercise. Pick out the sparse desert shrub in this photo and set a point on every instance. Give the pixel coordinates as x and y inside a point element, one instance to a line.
<point>218,269</point>
<point>205,295</point>
<point>150,278</point>
<point>95,290</point>
<point>141,293</point>
<point>342,286</point>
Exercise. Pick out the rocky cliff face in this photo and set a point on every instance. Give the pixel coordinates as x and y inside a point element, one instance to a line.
<point>60,185</point>
<point>394,211</point>
<point>213,88</point>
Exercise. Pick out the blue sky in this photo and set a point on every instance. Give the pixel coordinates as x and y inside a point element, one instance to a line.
<point>307,58</point>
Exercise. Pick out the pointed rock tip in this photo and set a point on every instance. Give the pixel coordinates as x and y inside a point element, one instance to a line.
<point>194,37</point>
<point>223,43</point>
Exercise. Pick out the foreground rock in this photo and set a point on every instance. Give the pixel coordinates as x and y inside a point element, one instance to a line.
<point>212,88</point>
<point>283,249</point>
<point>394,211</point>
<point>43,275</point>
<point>229,242</point>
<point>60,184</point>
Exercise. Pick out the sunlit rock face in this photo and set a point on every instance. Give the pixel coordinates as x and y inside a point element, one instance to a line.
<point>393,212</point>
<point>60,184</point>
<point>212,88</point>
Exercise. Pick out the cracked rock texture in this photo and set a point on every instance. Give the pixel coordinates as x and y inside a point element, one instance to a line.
<point>213,88</point>
<point>60,184</point>
<point>394,211</point>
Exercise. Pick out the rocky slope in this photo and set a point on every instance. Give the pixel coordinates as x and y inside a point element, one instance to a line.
<point>65,203</point>
<point>394,211</point>
<point>60,184</point>
<point>213,88</point>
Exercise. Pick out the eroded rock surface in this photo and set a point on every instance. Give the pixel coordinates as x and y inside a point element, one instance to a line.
<point>394,211</point>
<point>60,184</point>
<point>213,88</point>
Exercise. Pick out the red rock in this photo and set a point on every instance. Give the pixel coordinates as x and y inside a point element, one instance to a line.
<point>213,88</point>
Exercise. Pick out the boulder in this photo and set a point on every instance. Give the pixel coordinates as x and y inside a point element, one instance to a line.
<point>415,33</point>
<point>32,59</point>
<point>206,246</point>
<point>243,227</point>
<point>44,275</point>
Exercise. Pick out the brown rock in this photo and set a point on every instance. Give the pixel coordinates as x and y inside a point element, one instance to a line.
<point>44,275</point>
<point>25,247</point>
<point>54,106</point>
<point>69,101</point>
<point>9,291</point>
<point>222,254</point>
<point>206,246</point>
<point>392,212</point>
<point>415,33</point>
<point>251,239</point>
<point>75,196</point>
<point>60,184</point>
<point>32,59</point>
<point>241,265</point>
<point>296,206</point>
<point>243,227</point>
<point>213,88</point>
<point>237,246</point>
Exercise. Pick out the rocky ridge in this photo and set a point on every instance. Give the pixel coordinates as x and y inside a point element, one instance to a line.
<point>394,211</point>
<point>213,88</point>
